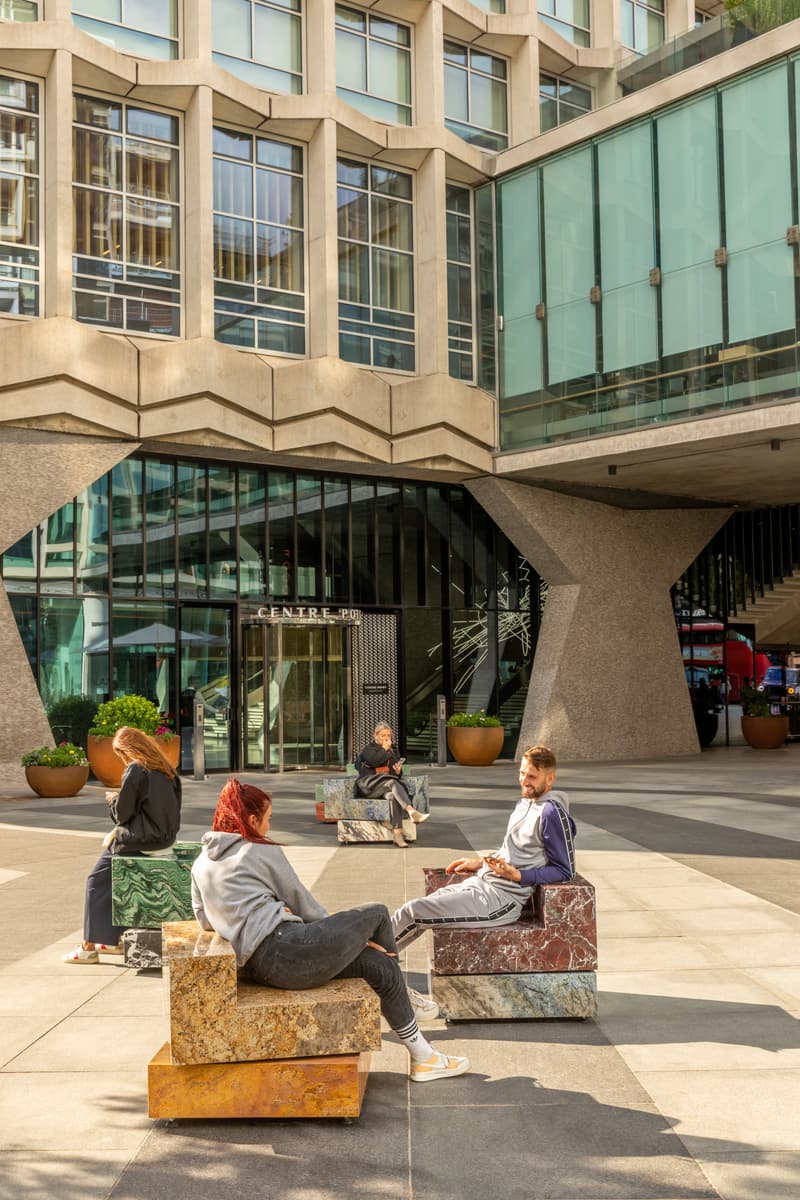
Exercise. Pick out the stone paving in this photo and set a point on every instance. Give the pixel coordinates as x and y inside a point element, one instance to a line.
<point>686,1087</point>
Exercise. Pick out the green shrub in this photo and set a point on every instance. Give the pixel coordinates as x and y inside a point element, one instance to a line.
<point>71,718</point>
<point>134,711</point>
<point>63,755</point>
<point>755,703</point>
<point>478,720</point>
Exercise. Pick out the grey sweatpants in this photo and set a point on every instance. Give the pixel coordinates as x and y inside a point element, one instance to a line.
<point>474,903</point>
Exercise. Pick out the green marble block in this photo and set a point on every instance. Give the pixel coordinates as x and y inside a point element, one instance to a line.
<point>146,891</point>
<point>533,997</point>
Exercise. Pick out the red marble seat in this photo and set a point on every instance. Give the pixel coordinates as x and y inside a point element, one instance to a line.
<point>557,932</point>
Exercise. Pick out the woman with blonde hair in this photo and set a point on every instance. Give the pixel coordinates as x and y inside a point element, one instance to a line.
<point>146,812</point>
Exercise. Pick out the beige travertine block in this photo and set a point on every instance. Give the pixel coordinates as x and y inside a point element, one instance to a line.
<point>58,348</point>
<point>179,370</point>
<point>333,1086</point>
<point>206,421</point>
<point>430,400</point>
<point>212,1020</point>
<point>324,385</point>
<point>608,631</point>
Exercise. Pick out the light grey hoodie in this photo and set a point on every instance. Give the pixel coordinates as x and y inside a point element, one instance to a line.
<point>241,890</point>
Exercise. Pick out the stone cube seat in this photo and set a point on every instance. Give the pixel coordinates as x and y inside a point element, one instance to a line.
<point>216,1018</point>
<point>365,818</point>
<point>145,892</point>
<point>542,966</point>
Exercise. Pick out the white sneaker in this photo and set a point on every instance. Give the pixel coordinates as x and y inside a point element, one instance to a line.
<point>424,1008</point>
<point>438,1067</point>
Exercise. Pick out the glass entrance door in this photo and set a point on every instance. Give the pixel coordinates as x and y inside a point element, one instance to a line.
<point>206,672</point>
<point>295,704</point>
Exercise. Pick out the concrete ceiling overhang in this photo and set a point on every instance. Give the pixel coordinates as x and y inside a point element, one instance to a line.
<point>749,457</point>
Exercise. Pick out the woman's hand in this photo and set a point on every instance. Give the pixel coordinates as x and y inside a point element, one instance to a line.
<point>382,949</point>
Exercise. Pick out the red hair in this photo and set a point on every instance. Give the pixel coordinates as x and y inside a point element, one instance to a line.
<point>237,802</point>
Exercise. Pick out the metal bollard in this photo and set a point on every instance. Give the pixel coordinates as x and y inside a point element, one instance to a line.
<point>441,731</point>
<point>198,739</point>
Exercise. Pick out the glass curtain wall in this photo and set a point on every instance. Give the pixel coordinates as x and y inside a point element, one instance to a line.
<point>373,65</point>
<point>561,100</point>
<point>376,265</point>
<point>126,217</point>
<point>570,18</point>
<point>651,274</point>
<point>460,284</point>
<point>147,28</point>
<point>259,243</point>
<point>19,10</point>
<point>476,95</point>
<point>260,41</point>
<point>19,197</point>
<point>134,585</point>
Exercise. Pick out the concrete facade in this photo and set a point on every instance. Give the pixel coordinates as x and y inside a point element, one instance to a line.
<point>607,619</point>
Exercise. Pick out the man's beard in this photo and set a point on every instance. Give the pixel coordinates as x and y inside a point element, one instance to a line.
<point>533,793</point>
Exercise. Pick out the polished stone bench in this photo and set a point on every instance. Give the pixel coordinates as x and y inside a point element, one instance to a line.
<point>363,818</point>
<point>147,890</point>
<point>542,966</point>
<point>237,1049</point>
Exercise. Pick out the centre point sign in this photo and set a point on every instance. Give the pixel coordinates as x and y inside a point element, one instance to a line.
<point>299,614</point>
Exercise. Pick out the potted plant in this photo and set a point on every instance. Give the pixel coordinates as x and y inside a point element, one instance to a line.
<point>70,718</point>
<point>761,728</point>
<point>474,739</point>
<point>134,711</point>
<point>168,741</point>
<point>56,771</point>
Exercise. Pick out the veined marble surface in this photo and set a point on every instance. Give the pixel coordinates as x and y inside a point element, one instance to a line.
<point>372,831</point>
<point>515,997</point>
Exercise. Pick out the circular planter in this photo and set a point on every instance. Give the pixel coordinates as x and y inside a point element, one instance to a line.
<point>104,763</point>
<point>765,733</point>
<point>477,746</point>
<point>170,748</point>
<point>57,781</point>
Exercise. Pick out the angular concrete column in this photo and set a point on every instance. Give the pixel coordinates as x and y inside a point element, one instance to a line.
<point>608,681</point>
<point>39,471</point>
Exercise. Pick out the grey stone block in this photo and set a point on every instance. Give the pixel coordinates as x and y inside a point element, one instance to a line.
<point>536,996</point>
<point>142,949</point>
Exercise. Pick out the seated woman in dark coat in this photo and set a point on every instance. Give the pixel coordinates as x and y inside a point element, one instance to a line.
<point>379,768</point>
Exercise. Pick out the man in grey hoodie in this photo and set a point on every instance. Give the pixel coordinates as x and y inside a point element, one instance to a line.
<point>537,848</point>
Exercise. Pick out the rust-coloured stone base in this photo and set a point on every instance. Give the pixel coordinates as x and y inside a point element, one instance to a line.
<point>300,1087</point>
<point>319,808</point>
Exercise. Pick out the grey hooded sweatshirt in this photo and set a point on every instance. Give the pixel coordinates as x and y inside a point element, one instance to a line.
<point>242,889</point>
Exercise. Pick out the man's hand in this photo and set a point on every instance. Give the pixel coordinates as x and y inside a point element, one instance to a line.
<point>502,868</point>
<point>464,866</point>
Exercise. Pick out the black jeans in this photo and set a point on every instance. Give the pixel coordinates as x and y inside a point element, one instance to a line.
<point>298,955</point>
<point>97,923</point>
<point>390,787</point>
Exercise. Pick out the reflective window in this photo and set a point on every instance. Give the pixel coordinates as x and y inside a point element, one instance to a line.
<point>252,532</point>
<point>19,197</point>
<point>642,24</point>
<point>561,100</point>
<point>127,528</point>
<point>126,171</point>
<point>492,6</point>
<point>362,544</point>
<point>19,10</point>
<point>73,648</point>
<point>373,64</point>
<point>570,18</point>
<point>92,537</point>
<point>191,496</point>
<point>475,95</point>
<point>337,540</point>
<point>57,551</point>
<point>260,41</point>
<point>376,266</point>
<point>459,282</point>
<point>309,537</point>
<point>147,28</point>
<point>282,551</point>
<point>259,270</point>
<point>222,555</point>
<point>159,500</point>
<point>520,292</point>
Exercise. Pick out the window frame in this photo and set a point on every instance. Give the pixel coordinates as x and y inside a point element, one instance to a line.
<point>175,42</point>
<point>39,282</point>
<point>38,6</point>
<point>272,6</point>
<point>558,80</point>
<point>254,136</point>
<point>472,275</point>
<point>180,305</point>
<point>367,36</point>
<point>558,23</point>
<point>649,6</point>
<point>471,72</point>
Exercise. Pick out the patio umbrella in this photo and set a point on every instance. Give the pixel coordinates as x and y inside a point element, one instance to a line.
<point>155,634</point>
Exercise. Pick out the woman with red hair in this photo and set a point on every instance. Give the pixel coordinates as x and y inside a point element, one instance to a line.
<point>147,813</point>
<point>245,889</point>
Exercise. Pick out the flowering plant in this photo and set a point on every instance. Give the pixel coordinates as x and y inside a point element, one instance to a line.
<point>478,720</point>
<point>165,733</point>
<point>66,754</point>
<point>134,711</point>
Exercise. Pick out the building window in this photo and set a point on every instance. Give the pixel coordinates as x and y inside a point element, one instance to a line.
<point>570,18</point>
<point>373,65</point>
<point>476,96</point>
<point>376,266</point>
<point>19,197</point>
<point>126,169</point>
<point>260,41</point>
<point>259,272</point>
<point>147,28</point>
<point>642,24</point>
<point>492,6</point>
<point>561,100</point>
<point>19,10</point>
<point>459,282</point>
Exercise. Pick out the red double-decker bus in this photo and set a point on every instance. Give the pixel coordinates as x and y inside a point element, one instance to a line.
<point>704,650</point>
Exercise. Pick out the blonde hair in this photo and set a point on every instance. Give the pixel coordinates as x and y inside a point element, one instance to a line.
<point>380,727</point>
<point>131,745</point>
<point>541,757</point>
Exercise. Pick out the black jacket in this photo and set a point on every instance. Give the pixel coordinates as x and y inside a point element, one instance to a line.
<point>374,756</point>
<point>147,810</point>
